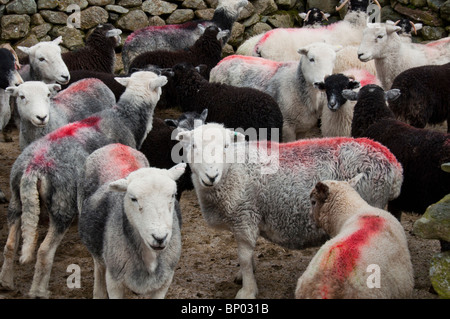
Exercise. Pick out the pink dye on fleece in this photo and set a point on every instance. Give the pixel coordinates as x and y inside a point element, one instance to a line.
<point>40,160</point>
<point>72,129</point>
<point>252,60</point>
<point>168,28</point>
<point>123,160</point>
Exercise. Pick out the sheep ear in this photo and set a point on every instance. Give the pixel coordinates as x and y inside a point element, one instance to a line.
<point>354,181</point>
<point>25,50</point>
<point>392,28</point>
<point>171,122</point>
<point>123,81</point>
<point>222,34</point>
<point>113,33</point>
<point>58,40</point>
<point>204,115</point>
<point>120,185</point>
<point>176,171</point>
<point>54,88</point>
<point>327,15</point>
<point>319,85</point>
<point>201,68</point>
<point>158,82</point>
<point>12,90</point>
<point>350,95</point>
<point>303,51</point>
<point>201,27</point>
<point>392,94</point>
<point>418,26</point>
<point>353,85</point>
<point>446,167</point>
<point>322,191</point>
<point>237,137</point>
<point>184,137</point>
<point>302,15</point>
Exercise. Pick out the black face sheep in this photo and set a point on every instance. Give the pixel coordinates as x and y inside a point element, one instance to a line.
<point>178,36</point>
<point>367,256</point>
<point>421,152</point>
<point>425,97</point>
<point>235,107</point>
<point>46,173</point>
<point>206,50</point>
<point>313,18</point>
<point>129,222</point>
<point>262,188</point>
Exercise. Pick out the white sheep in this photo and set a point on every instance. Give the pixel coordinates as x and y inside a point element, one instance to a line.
<point>392,56</point>
<point>291,84</point>
<point>367,256</point>
<point>258,188</point>
<point>130,222</point>
<point>41,111</point>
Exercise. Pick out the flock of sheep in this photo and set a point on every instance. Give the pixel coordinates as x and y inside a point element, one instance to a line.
<point>91,148</point>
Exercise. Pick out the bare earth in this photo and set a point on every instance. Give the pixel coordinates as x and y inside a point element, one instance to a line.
<point>208,262</point>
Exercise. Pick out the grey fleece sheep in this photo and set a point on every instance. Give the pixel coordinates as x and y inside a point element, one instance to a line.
<point>263,189</point>
<point>130,222</point>
<point>45,174</point>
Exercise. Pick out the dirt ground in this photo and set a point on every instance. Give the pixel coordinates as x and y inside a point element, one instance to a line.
<point>208,262</point>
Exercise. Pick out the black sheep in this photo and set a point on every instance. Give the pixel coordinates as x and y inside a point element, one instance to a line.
<point>421,152</point>
<point>425,95</point>
<point>206,50</point>
<point>235,107</point>
<point>98,54</point>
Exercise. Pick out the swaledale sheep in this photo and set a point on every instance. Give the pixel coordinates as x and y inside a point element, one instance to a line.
<point>259,188</point>
<point>336,118</point>
<point>179,36</point>
<point>421,152</point>
<point>45,174</point>
<point>313,18</point>
<point>364,239</point>
<point>41,111</point>
<point>130,222</point>
<point>235,107</point>
<point>392,56</point>
<point>425,97</point>
<point>206,50</point>
<point>291,84</point>
<point>407,28</point>
<point>98,53</point>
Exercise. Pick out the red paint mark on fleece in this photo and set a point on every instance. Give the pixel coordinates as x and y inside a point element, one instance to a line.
<point>438,42</point>
<point>40,160</point>
<point>80,86</point>
<point>146,32</point>
<point>71,129</point>
<point>123,160</point>
<point>252,60</point>
<point>344,255</point>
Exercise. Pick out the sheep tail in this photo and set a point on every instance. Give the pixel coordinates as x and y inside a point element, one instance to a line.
<point>397,183</point>
<point>29,194</point>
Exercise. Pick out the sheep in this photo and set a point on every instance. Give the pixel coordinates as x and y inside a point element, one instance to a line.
<point>249,187</point>
<point>425,95</point>
<point>98,54</point>
<point>291,84</point>
<point>421,152</point>
<point>206,50</point>
<point>407,27</point>
<point>235,107</point>
<point>364,239</point>
<point>40,114</point>
<point>313,18</point>
<point>392,56</point>
<point>179,36</point>
<point>336,118</point>
<point>46,63</point>
<point>130,222</point>
<point>45,174</point>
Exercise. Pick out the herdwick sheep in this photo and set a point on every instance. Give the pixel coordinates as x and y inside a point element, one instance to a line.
<point>130,222</point>
<point>259,188</point>
<point>392,56</point>
<point>244,108</point>
<point>425,95</point>
<point>179,36</point>
<point>421,152</point>
<point>291,84</point>
<point>45,174</point>
<point>40,114</point>
<point>206,50</point>
<point>363,239</point>
<point>98,53</point>
<point>336,118</point>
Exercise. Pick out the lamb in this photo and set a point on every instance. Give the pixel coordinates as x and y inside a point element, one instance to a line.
<point>45,174</point>
<point>291,84</point>
<point>336,119</point>
<point>425,95</point>
<point>421,152</point>
<point>364,239</point>
<point>263,188</point>
<point>40,114</point>
<point>206,50</point>
<point>98,54</point>
<point>236,107</point>
<point>130,222</point>
<point>179,36</point>
<point>393,56</point>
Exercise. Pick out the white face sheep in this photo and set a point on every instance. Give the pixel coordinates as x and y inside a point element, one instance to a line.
<point>236,193</point>
<point>364,238</point>
<point>46,63</point>
<point>134,206</point>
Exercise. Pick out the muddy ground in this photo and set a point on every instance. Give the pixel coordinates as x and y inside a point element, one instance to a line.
<point>208,262</point>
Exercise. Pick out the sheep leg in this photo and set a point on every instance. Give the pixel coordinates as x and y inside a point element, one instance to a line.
<point>115,288</point>
<point>44,262</point>
<point>246,247</point>
<point>161,292</point>
<point>100,291</point>
<point>9,253</point>
<point>288,133</point>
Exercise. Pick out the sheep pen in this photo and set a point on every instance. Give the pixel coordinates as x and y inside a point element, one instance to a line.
<point>208,261</point>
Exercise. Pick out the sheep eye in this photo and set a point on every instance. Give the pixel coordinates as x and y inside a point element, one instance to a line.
<point>311,60</point>
<point>22,97</point>
<point>313,202</point>
<point>133,199</point>
<point>42,59</point>
<point>48,95</point>
<point>380,37</point>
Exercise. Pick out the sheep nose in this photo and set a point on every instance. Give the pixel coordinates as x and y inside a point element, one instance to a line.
<point>65,77</point>
<point>360,55</point>
<point>160,240</point>
<point>41,118</point>
<point>212,179</point>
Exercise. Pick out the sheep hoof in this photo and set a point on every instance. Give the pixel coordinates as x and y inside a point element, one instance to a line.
<point>6,284</point>
<point>38,294</point>
<point>245,294</point>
